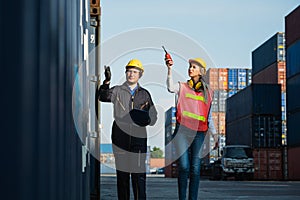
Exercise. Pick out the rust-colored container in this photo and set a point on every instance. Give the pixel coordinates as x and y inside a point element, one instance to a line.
<point>268,163</point>
<point>219,120</point>
<point>275,73</point>
<point>292,26</point>
<point>294,163</point>
<point>218,78</point>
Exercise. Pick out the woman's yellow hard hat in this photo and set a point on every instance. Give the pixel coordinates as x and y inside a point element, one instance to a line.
<point>199,61</point>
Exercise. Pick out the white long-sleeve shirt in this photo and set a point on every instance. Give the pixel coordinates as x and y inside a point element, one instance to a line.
<point>174,88</point>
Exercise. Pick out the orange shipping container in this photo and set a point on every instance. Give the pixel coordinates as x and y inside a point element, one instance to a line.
<point>218,78</point>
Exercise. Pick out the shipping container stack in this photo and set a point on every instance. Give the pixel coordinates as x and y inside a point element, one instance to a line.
<point>170,156</point>
<point>292,29</point>
<point>253,119</point>
<point>269,66</point>
<point>225,82</point>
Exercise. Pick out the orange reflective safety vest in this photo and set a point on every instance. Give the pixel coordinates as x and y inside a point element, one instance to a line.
<point>192,108</point>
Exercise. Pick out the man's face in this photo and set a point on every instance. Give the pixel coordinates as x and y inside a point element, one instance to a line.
<point>132,75</point>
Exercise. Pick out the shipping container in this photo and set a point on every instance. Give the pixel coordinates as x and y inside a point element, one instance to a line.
<point>44,156</point>
<point>293,136</point>
<point>249,76</point>
<point>255,131</point>
<point>213,78</point>
<point>294,163</point>
<point>271,51</point>
<point>171,161</point>
<point>293,85</point>
<point>239,78</point>
<point>231,92</point>
<point>223,79</point>
<point>222,100</point>
<point>292,26</point>
<point>218,78</point>
<point>215,102</point>
<point>232,79</point>
<point>170,116</point>
<point>255,99</point>
<point>283,105</point>
<point>268,163</point>
<point>275,73</point>
<point>219,122</point>
<point>293,59</point>
<point>242,78</point>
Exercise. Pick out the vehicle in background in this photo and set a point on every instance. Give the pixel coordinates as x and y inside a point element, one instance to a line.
<point>157,170</point>
<point>236,161</point>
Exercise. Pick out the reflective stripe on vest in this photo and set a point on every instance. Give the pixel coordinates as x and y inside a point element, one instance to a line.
<point>193,116</point>
<point>195,97</point>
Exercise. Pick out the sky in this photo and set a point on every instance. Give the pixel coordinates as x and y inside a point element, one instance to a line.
<point>223,32</point>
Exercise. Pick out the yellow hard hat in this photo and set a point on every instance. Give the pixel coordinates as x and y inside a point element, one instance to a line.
<point>135,63</point>
<point>199,61</point>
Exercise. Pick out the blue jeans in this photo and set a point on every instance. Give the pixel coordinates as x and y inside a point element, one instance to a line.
<point>188,145</point>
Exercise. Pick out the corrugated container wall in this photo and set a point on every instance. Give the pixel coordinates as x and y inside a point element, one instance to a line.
<point>271,51</point>
<point>43,156</point>
<point>170,154</point>
<point>255,99</point>
<point>255,131</point>
<point>293,58</point>
<point>219,120</point>
<point>293,136</point>
<point>292,26</point>
<point>252,119</point>
<point>293,163</point>
<point>239,78</point>
<point>268,163</point>
<point>293,103</point>
<point>218,78</point>
<point>274,73</point>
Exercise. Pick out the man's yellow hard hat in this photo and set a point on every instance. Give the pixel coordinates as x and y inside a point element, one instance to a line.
<point>136,64</point>
<point>199,61</point>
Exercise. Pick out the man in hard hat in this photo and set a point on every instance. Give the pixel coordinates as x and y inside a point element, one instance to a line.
<point>193,122</point>
<point>133,111</point>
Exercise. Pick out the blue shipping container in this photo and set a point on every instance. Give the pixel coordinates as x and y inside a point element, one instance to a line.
<point>254,99</point>
<point>293,85</point>
<point>242,78</point>
<point>271,51</point>
<point>293,60</point>
<point>239,78</point>
<point>293,136</point>
<point>232,79</point>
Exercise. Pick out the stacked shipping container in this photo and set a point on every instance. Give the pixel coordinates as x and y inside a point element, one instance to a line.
<point>269,66</point>
<point>253,120</point>
<point>225,82</point>
<point>267,123</point>
<point>292,29</point>
<point>170,157</point>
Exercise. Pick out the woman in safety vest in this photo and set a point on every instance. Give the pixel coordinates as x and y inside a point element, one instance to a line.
<point>193,121</point>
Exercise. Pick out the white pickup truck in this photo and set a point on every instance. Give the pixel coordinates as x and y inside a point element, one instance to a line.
<point>236,161</point>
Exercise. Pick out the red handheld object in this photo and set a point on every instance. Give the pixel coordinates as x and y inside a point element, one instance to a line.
<point>167,55</point>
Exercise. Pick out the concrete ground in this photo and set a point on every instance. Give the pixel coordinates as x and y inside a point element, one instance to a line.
<point>160,188</point>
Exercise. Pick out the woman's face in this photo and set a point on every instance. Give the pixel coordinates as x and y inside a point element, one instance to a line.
<point>194,70</point>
